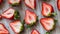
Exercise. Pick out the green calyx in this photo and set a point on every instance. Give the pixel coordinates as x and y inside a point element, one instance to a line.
<point>54,14</point>
<point>22,28</point>
<point>33,23</point>
<point>47,32</point>
<point>51,14</point>
<point>15,4</point>
<point>16,15</point>
<point>30,25</point>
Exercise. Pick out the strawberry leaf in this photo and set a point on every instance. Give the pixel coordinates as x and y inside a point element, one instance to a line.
<point>16,15</point>
<point>54,14</point>
<point>47,32</point>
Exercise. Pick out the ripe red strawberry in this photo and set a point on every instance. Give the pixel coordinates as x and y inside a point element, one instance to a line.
<point>47,10</point>
<point>47,23</point>
<point>1,1</point>
<point>0,17</point>
<point>30,17</point>
<point>58,4</point>
<point>35,32</point>
<point>16,26</point>
<point>31,3</point>
<point>3,30</point>
<point>11,14</point>
<point>14,2</point>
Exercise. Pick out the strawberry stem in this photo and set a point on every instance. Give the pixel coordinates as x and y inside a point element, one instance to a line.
<point>45,0</point>
<point>23,22</point>
<point>16,15</point>
<point>54,14</point>
<point>55,20</point>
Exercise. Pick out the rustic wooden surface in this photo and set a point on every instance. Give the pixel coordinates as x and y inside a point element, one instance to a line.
<point>22,9</point>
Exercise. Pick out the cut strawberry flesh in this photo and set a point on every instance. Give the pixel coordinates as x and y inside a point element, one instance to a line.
<point>35,32</point>
<point>58,4</point>
<point>9,13</point>
<point>16,26</point>
<point>1,1</point>
<point>3,30</point>
<point>46,9</point>
<point>14,1</point>
<point>0,16</point>
<point>47,23</point>
<point>30,17</point>
<point>30,3</point>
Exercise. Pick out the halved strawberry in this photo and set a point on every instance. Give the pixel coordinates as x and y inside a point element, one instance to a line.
<point>1,1</point>
<point>58,4</point>
<point>47,23</point>
<point>14,2</point>
<point>30,17</point>
<point>31,3</point>
<point>3,30</point>
<point>47,9</point>
<point>16,26</point>
<point>35,32</point>
<point>11,14</point>
<point>0,17</point>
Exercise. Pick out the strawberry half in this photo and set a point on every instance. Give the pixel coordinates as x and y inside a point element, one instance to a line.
<point>16,26</point>
<point>31,3</point>
<point>47,10</point>
<point>3,30</point>
<point>47,23</point>
<point>35,32</point>
<point>58,4</point>
<point>11,14</point>
<point>1,1</point>
<point>0,17</point>
<point>14,2</point>
<point>30,17</point>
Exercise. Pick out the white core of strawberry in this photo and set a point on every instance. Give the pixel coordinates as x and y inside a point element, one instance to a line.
<point>30,3</point>
<point>2,29</point>
<point>9,13</point>
<point>14,1</point>
<point>16,26</point>
<point>30,17</point>
<point>48,24</point>
<point>47,9</point>
<point>32,20</point>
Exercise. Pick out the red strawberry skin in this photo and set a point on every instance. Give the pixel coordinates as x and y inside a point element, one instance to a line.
<point>14,24</point>
<point>30,17</point>
<point>47,23</point>
<point>1,1</point>
<point>32,7</point>
<point>0,17</point>
<point>34,31</point>
<point>8,14</point>
<point>47,9</point>
<point>58,4</point>
<point>3,30</point>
